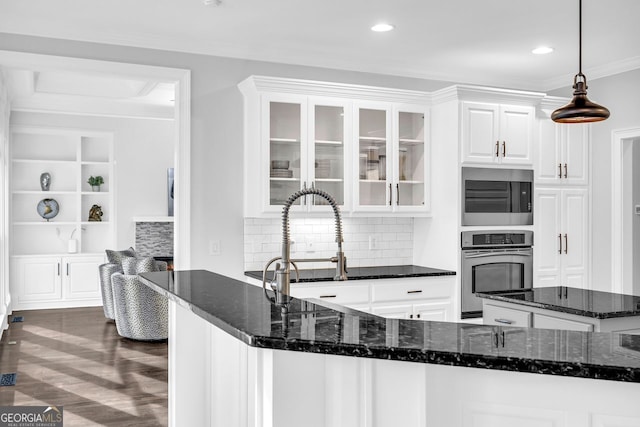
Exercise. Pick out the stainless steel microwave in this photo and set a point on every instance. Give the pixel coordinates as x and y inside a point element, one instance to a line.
<point>497,196</point>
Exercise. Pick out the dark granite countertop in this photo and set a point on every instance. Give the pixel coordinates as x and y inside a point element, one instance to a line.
<point>581,302</point>
<point>244,311</point>
<point>362,273</point>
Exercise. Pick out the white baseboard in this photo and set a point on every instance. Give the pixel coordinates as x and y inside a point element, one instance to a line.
<point>45,305</point>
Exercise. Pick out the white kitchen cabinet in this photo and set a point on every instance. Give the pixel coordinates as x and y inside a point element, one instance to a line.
<point>55,281</point>
<point>367,147</point>
<point>393,158</point>
<point>435,310</point>
<point>424,298</point>
<point>562,156</point>
<point>356,295</point>
<point>303,145</point>
<point>497,134</point>
<point>561,238</point>
<point>503,313</point>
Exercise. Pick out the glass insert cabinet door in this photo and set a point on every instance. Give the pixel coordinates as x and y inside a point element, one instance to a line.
<point>410,158</point>
<point>285,151</point>
<point>328,153</point>
<point>373,167</point>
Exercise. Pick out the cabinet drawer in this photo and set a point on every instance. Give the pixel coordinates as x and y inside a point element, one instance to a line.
<point>502,316</point>
<point>339,294</point>
<point>412,289</point>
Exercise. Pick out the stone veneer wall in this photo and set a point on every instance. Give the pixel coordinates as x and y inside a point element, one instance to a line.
<point>154,238</point>
<point>315,238</point>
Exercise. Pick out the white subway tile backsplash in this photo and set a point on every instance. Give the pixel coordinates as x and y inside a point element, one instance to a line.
<point>315,238</point>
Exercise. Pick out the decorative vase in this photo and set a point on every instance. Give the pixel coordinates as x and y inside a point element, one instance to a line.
<point>95,188</point>
<point>45,181</point>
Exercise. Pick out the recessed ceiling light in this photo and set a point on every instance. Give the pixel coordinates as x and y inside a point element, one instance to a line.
<point>542,50</point>
<point>382,27</point>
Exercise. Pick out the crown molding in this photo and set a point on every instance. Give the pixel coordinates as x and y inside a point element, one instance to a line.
<point>340,90</point>
<point>486,94</point>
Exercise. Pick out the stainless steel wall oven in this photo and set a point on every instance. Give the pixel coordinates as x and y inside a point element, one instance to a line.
<point>494,261</point>
<point>497,196</point>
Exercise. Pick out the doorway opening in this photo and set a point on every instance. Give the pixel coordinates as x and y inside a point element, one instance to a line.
<point>625,214</point>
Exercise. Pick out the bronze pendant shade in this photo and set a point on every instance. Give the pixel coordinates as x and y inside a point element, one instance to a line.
<point>580,109</point>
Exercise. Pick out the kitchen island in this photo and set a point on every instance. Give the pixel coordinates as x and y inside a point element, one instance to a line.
<point>237,359</point>
<point>562,307</point>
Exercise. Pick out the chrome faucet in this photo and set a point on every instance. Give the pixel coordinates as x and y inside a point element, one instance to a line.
<point>281,283</point>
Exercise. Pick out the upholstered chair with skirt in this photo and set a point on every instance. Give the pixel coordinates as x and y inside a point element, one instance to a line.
<point>141,313</point>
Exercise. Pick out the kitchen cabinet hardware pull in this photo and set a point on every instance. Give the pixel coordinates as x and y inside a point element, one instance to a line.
<point>328,296</point>
<point>67,269</point>
<point>390,194</point>
<point>418,291</point>
<point>418,315</point>
<point>560,240</point>
<point>566,243</point>
<point>411,316</point>
<point>497,148</point>
<point>565,170</point>
<point>504,149</point>
<point>504,321</point>
<point>398,194</point>
<point>495,339</point>
<point>560,170</point>
<point>58,269</point>
<point>502,338</point>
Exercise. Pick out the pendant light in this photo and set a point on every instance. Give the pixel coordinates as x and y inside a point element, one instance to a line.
<point>580,109</point>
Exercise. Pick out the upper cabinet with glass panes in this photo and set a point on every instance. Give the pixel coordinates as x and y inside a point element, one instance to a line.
<point>392,159</point>
<point>369,156</point>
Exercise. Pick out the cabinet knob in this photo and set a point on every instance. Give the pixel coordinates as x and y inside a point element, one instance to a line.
<point>418,315</point>
<point>411,316</point>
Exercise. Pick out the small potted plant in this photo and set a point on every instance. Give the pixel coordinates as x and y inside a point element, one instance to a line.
<point>95,182</point>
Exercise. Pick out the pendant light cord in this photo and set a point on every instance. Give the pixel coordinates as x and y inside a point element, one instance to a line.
<point>580,38</point>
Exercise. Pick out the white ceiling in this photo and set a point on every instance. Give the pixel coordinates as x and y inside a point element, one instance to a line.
<point>485,42</point>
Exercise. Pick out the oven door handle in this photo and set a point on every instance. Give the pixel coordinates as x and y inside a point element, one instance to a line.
<point>490,254</point>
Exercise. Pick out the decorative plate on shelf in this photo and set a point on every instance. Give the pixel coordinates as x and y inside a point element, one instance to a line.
<point>48,208</point>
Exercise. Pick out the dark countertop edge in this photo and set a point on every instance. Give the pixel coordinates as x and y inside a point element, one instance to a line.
<point>557,308</point>
<point>468,360</point>
<point>351,277</point>
<point>462,360</point>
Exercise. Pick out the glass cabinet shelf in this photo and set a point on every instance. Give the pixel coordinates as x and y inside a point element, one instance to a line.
<point>286,140</point>
<point>324,142</point>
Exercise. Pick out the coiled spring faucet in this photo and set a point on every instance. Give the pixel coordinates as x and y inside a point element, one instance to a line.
<point>281,282</point>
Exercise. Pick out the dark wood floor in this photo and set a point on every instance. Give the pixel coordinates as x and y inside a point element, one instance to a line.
<point>74,358</point>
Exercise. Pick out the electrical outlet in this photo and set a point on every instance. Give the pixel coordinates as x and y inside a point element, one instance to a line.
<point>373,242</point>
<point>311,247</point>
<point>214,247</point>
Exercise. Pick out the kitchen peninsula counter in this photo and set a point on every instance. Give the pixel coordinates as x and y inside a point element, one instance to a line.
<point>562,307</point>
<point>298,352</point>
